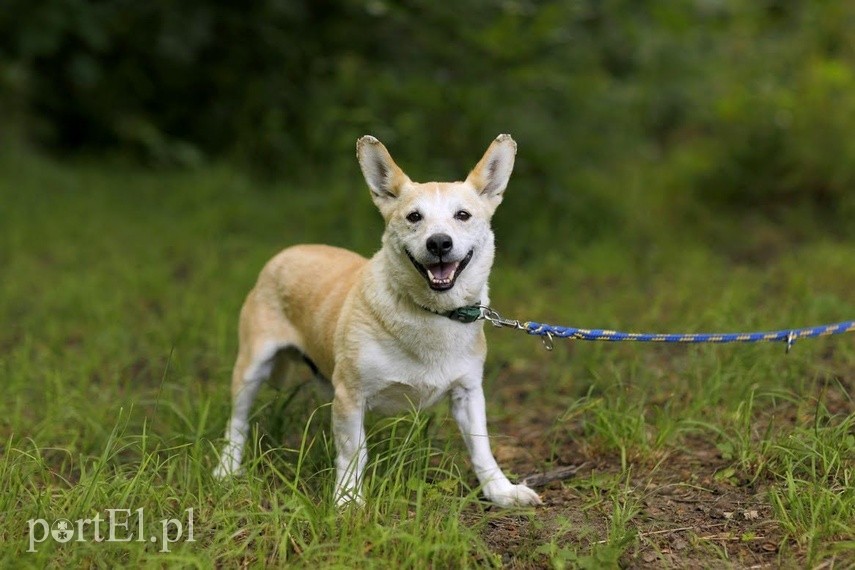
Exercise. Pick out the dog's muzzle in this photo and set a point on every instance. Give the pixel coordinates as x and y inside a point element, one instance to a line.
<point>442,275</point>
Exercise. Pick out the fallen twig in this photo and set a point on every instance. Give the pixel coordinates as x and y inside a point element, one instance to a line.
<point>559,474</point>
<point>665,531</point>
<point>670,531</point>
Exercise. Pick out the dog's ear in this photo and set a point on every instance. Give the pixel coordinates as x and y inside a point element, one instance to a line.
<point>490,176</point>
<point>383,176</point>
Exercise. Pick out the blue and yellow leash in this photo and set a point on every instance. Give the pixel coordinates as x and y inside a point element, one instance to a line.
<point>548,332</point>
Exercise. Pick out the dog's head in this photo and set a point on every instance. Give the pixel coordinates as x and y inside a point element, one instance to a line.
<point>438,233</point>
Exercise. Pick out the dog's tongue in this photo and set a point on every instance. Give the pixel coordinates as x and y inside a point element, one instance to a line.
<point>442,271</point>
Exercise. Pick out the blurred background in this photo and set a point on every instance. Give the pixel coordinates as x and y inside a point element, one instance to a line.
<point>712,118</point>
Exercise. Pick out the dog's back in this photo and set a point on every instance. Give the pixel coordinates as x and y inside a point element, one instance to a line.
<point>299,296</point>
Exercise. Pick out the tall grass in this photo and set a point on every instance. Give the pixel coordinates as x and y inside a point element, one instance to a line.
<point>118,300</point>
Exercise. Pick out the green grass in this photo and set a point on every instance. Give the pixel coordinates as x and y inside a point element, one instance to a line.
<point>118,301</point>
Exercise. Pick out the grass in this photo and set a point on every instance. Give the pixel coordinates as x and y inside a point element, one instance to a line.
<point>119,299</point>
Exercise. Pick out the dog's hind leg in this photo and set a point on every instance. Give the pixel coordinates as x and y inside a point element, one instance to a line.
<point>250,371</point>
<point>264,338</point>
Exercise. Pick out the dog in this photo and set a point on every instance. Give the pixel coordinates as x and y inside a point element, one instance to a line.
<point>386,331</point>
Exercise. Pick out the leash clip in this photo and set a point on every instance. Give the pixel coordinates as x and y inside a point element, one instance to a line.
<point>498,321</point>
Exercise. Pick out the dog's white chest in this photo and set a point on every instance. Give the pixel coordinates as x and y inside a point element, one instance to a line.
<point>398,377</point>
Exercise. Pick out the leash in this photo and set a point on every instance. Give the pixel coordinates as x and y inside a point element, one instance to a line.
<point>547,332</point>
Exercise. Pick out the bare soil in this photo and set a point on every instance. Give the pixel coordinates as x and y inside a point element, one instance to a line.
<point>689,517</point>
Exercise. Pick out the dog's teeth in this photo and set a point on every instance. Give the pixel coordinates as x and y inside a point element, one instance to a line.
<point>440,281</point>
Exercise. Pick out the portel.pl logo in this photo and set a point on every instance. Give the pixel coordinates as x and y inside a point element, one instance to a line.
<point>120,525</point>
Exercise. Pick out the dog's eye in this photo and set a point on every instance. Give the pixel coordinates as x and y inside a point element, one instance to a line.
<point>462,215</point>
<point>414,217</point>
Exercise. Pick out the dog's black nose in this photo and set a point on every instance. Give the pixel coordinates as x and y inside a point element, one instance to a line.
<point>439,244</point>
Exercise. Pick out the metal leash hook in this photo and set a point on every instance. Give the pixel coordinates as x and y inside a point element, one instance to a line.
<point>498,321</point>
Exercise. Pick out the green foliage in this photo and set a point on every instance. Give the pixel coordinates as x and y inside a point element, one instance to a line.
<point>739,107</point>
<point>783,140</point>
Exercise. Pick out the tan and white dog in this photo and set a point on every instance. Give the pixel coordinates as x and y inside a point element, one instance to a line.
<point>380,328</point>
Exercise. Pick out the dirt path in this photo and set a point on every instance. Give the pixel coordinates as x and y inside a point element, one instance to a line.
<point>688,515</point>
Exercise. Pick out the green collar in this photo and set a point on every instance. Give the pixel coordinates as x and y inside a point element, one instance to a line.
<point>464,314</point>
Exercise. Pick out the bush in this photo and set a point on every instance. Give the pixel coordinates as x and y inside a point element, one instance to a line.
<point>598,94</point>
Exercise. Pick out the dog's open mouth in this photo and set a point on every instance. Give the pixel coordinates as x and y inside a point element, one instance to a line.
<point>441,276</point>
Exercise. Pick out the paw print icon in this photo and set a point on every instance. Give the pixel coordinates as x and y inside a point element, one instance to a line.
<point>62,530</point>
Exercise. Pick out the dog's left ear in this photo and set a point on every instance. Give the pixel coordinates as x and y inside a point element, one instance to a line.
<point>384,177</point>
<point>490,176</point>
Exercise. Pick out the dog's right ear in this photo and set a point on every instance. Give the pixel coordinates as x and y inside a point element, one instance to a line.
<point>383,176</point>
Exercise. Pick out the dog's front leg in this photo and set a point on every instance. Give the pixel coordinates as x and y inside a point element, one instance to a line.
<point>469,410</point>
<point>351,451</point>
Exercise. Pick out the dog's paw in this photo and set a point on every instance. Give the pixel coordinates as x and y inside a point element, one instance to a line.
<point>514,496</point>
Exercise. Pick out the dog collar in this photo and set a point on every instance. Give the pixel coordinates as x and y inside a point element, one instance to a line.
<point>465,314</point>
